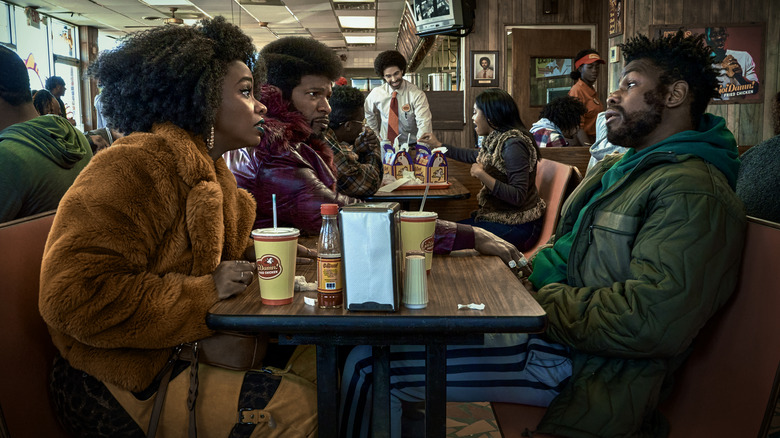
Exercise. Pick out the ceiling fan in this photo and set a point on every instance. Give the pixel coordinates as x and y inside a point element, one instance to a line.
<point>173,19</point>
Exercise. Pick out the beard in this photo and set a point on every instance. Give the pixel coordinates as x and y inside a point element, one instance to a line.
<point>635,126</point>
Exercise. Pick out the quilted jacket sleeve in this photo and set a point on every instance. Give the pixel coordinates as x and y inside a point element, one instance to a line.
<point>656,276</point>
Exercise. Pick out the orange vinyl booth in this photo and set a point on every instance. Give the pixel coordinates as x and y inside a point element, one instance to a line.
<point>730,384</point>
<point>554,181</point>
<point>24,340</point>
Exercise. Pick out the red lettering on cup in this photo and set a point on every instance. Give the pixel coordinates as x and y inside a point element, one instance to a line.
<point>427,244</point>
<point>269,267</point>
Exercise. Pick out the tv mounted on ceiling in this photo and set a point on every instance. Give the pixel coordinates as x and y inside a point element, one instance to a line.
<point>448,17</point>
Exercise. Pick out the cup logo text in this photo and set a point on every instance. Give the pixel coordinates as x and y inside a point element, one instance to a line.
<point>269,267</point>
<point>427,244</point>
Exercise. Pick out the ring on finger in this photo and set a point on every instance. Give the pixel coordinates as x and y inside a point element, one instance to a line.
<point>512,264</point>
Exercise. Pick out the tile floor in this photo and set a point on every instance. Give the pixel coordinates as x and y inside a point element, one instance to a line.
<point>471,420</point>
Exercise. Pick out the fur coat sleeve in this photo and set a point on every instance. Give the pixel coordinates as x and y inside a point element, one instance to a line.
<point>127,268</point>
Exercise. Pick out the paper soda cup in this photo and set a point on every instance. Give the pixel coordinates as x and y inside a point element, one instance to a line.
<point>417,228</point>
<point>276,250</point>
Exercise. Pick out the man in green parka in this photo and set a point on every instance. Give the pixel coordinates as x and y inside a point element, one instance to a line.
<point>647,249</point>
<point>40,156</point>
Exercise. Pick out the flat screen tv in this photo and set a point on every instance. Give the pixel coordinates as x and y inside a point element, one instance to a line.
<point>451,17</point>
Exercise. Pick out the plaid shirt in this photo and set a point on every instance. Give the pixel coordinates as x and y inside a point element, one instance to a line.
<point>360,168</point>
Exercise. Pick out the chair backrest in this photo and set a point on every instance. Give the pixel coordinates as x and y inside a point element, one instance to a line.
<point>729,385</point>
<point>552,182</point>
<point>24,340</point>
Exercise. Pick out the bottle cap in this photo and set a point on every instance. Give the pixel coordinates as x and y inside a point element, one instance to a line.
<point>329,209</point>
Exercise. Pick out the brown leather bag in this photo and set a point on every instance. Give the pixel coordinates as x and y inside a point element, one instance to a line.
<point>231,350</point>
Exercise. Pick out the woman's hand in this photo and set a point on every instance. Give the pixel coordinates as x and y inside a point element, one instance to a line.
<point>478,171</point>
<point>232,277</point>
<point>305,255</point>
<point>430,139</point>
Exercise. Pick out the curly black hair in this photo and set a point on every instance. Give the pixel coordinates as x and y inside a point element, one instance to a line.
<point>170,74</point>
<point>290,58</point>
<point>679,57</point>
<point>575,72</point>
<point>53,81</point>
<point>14,81</point>
<point>389,58</point>
<point>565,112</point>
<point>345,102</point>
<point>485,58</point>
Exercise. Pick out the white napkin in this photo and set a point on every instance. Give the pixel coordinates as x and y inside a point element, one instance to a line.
<point>393,185</point>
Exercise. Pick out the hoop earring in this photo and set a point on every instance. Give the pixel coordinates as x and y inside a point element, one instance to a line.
<point>210,140</point>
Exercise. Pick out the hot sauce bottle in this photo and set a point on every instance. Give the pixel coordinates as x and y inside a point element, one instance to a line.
<point>330,275</point>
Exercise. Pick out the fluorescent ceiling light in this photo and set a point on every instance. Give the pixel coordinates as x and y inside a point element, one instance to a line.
<point>353,1</point>
<point>354,39</point>
<point>356,22</point>
<point>168,2</point>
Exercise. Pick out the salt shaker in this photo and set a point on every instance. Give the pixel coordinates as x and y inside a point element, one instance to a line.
<point>415,281</point>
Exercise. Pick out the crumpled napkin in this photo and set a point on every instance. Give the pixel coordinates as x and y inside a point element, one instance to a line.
<point>471,306</point>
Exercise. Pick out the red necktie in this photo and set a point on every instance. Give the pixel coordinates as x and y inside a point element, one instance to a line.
<point>392,120</point>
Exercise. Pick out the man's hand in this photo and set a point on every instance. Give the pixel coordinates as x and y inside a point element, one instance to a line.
<point>367,141</point>
<point>305,255</point>
<point>488,243</point>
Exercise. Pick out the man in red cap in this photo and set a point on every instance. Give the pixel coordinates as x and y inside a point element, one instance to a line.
<point>586,65</point>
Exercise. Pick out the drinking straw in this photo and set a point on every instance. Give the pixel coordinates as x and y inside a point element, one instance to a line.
<point>273,198</point>
<point>425,195</point>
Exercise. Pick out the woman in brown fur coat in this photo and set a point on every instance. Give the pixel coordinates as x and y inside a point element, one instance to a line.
<point>152,234</point>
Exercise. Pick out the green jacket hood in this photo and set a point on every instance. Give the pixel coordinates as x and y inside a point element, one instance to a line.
<point>712,142</point>
<point>53,137</point>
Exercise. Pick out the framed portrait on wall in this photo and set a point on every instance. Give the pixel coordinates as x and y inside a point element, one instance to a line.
<point>738,51</point>
<point>616,14</point>
<point>485,68</point>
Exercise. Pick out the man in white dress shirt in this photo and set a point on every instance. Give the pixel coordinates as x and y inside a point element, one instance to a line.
<point>412,113</point>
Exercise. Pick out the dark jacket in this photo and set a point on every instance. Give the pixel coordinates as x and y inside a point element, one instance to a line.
<point>290,163</point>
<point>655,256</point>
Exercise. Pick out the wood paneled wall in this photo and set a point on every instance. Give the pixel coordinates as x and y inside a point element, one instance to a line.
<point>750,123</point>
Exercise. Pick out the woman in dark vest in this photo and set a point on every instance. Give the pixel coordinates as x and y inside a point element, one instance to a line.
<point>509,203</point>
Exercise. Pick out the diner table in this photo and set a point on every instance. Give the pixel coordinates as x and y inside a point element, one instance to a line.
<point>462,277</point>
<point>406,197</point>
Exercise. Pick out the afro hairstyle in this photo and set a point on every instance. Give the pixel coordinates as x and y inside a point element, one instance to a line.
<point>170,74</point>
<point>14,81</point>
<point>679,57</point>
<point>389,58</point>
<point>565,112</point>
<point>345,102</point>
<point>289,59</point>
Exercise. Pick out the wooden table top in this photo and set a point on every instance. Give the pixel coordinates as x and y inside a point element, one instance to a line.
<point>456,190</point>
<point>461,278</point>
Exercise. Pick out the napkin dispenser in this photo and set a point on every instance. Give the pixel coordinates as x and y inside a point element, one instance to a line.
<point>371,246</point>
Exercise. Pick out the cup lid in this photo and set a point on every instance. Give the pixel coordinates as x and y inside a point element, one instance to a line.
<point>276,232</point>
<point>419,214</point>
